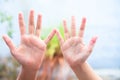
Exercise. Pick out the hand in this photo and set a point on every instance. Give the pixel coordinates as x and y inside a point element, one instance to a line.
<point>74,50</point>
<point>30,52</point>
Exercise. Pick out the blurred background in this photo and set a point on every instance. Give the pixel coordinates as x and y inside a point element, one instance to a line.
<point>103,20</point>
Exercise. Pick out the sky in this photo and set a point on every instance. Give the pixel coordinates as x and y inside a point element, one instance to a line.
<point>103,20</point>
<point>98,12</point>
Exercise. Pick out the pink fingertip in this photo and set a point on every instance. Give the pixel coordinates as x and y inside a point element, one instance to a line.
<point>39,15</point>
<point>20,14</point>
<point>84,19</point>
<point>4,36</point>
<point>94,39</point>
<point>73,17</point>
<point>32,11</point>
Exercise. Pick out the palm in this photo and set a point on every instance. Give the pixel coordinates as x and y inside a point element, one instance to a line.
<point>73,48</point>
<point>29,53</point>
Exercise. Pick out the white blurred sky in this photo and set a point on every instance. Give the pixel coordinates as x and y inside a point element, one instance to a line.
<point>97,12</point>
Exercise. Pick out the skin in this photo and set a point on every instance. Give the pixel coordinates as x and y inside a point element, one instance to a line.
<point>31,50</point>
<point>76,52</point>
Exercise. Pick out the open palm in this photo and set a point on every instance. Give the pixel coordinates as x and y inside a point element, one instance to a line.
<point>31,50</point>
<point>74,50</point>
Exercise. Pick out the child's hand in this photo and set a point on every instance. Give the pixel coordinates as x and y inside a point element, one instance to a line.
<point>30,52</point>
<point>74,50</point>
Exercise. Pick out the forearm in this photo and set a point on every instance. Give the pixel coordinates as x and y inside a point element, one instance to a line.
<point>85,72</point>
<point>27,74</point>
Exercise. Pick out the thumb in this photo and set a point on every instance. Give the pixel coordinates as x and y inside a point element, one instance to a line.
<point>9,43</point>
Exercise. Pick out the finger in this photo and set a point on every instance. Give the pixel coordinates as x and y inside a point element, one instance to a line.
<point>66,32</point>
<point>59,37</point>
<point>9,43</point>
<point>50,36</point>
<point>73,27</point>
<point>21,24</point>
<point>31,22</point>
<point>82,27</point>
<point>38,28</point>
<point>91,44</point>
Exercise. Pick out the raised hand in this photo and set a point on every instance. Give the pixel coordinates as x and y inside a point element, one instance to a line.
<point>74,50</point>
<point>30,52</point>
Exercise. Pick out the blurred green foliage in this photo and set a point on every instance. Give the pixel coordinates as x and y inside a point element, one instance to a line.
<point>53,46</point>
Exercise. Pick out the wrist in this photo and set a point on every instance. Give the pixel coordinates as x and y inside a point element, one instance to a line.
<point>27,74</point>
<point>80,66</point>
<point>32,67</point>
<point>29,69</point>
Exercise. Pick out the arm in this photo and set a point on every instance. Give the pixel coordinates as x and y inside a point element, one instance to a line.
<point>85,72</point>
<point>76,52</point>
<point>30,52</point>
